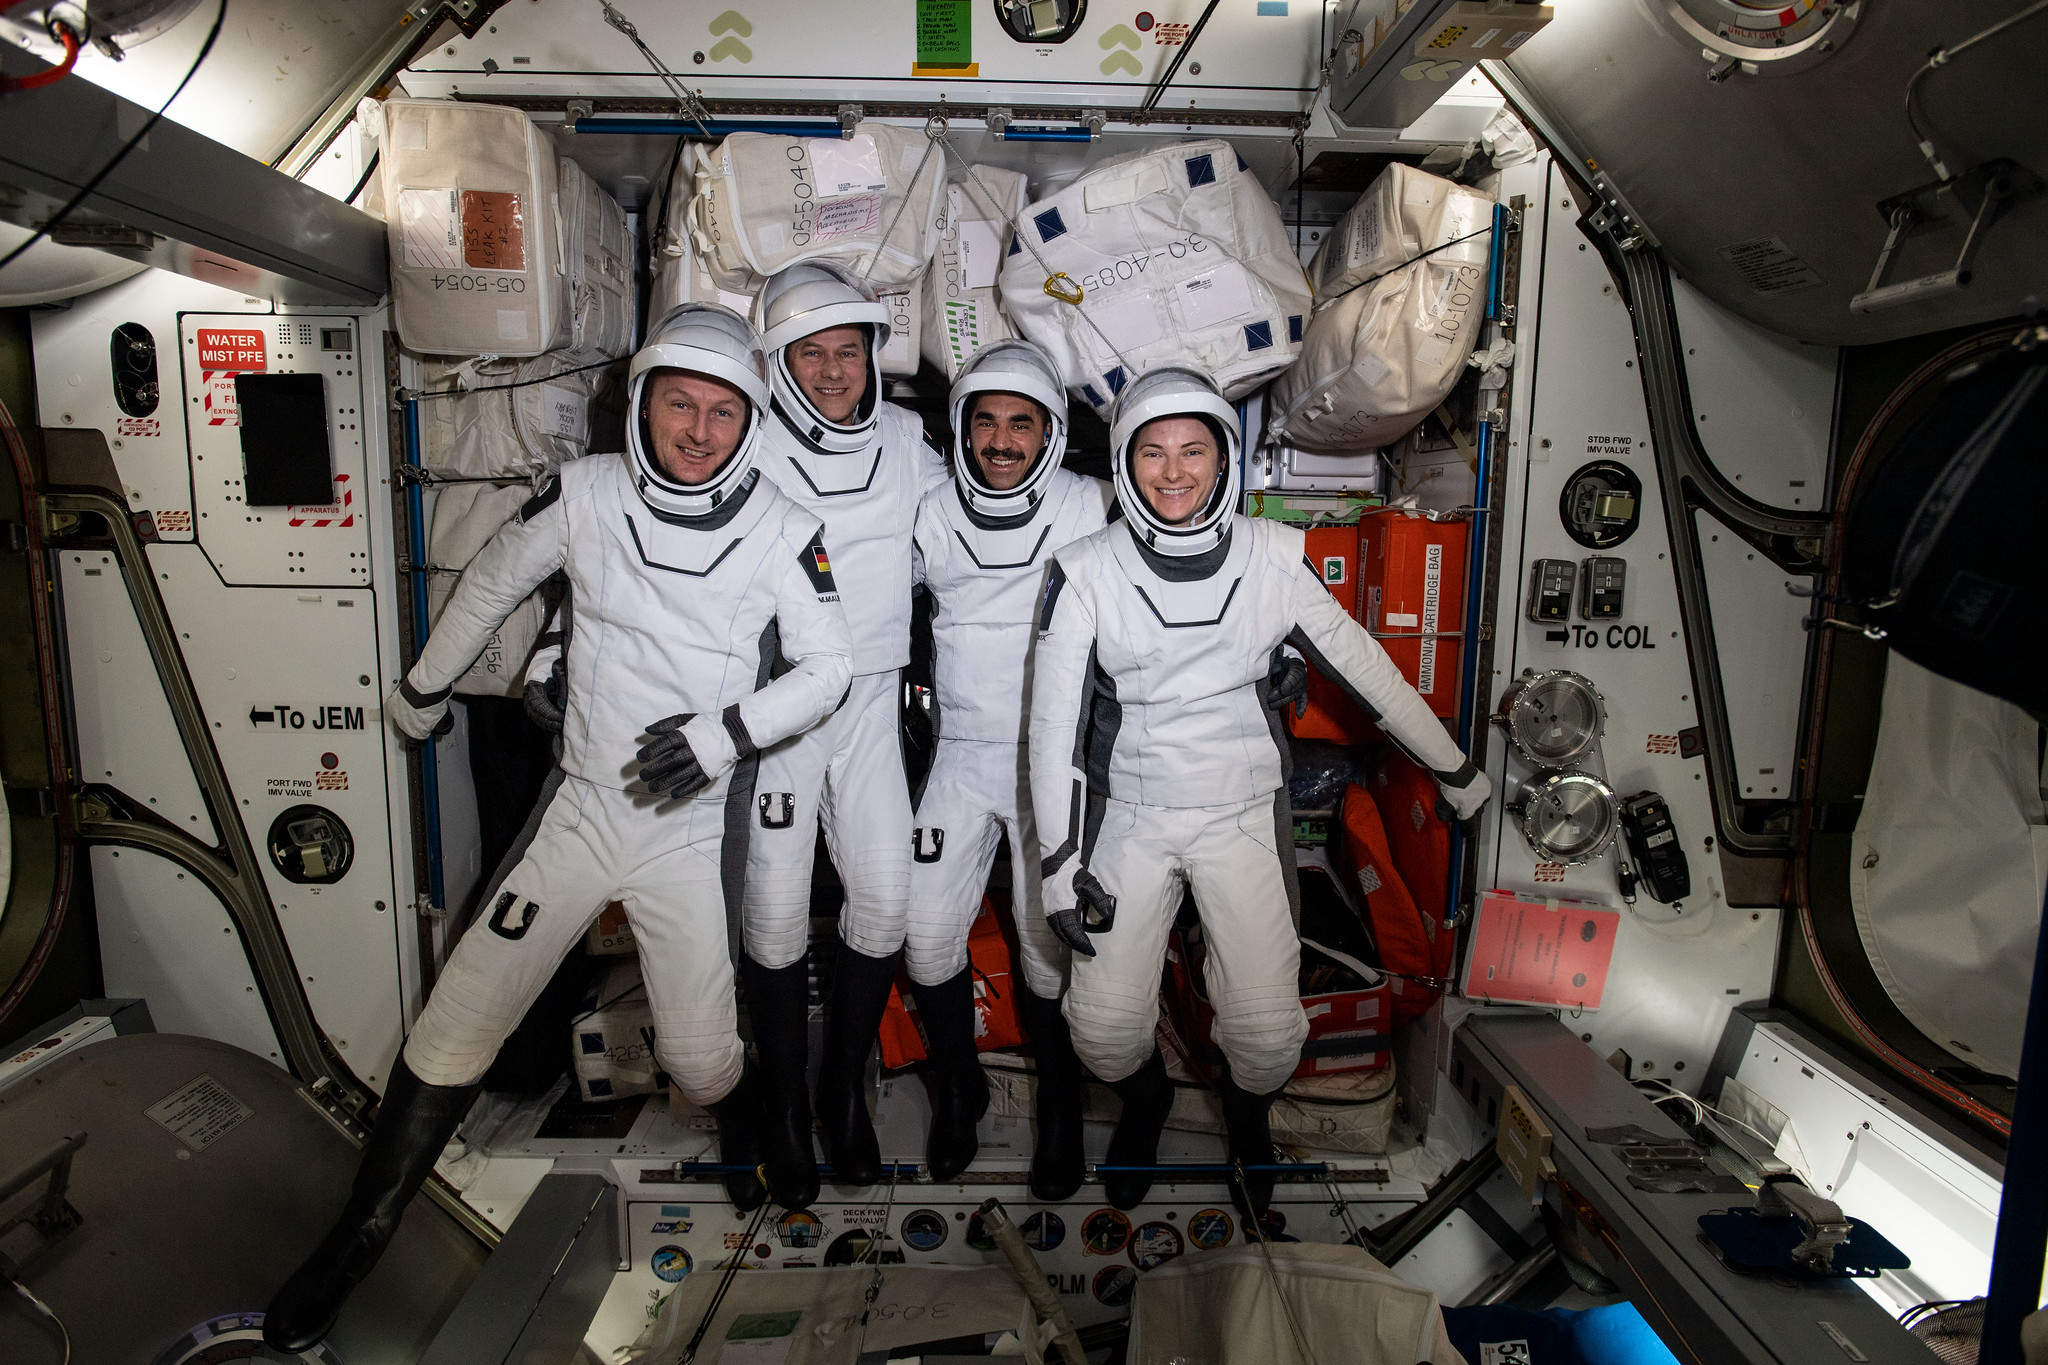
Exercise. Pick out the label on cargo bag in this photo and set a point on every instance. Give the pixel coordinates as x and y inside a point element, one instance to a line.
<point>493,231</point>
<point>427,223</point>
<point>853,213</point>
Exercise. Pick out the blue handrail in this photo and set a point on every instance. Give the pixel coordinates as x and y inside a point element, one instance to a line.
<point>1475,574</point>
<point>1013,133</point>
<point>416,551</point>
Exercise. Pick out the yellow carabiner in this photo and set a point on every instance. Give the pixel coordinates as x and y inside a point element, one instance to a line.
<point>1065,293</point>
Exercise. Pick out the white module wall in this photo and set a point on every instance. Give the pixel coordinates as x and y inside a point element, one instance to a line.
<point>288,628</point>
<point>1577,398</point>
<point>1252,55</point>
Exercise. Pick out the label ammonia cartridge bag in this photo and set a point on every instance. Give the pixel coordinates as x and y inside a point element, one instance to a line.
<point>1400,296</point>
<point>1180,258</point>
<point>470,199</point>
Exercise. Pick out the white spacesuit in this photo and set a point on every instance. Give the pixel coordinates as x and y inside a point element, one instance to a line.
<point>1157,761</point>
<point>677,588</point>
<point>862,473</point>
<point>983,553</point>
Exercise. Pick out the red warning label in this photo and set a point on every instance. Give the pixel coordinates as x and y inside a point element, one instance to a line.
<point>233,351</point>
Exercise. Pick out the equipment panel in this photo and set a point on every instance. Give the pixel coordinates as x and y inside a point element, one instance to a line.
<point>274,419</point>
<point>1583,476</point>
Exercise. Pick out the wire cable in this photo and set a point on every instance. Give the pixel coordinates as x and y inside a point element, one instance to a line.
<point>62,1332</point>
<point>421,395</point>
<point>130,145</point>
<point>368,171</point>
<point>64,34</point>
<point>1173,67</point>
<point>1940,57</point>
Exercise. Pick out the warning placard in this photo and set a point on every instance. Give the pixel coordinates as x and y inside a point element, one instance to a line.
<point>199,1113</point>
<point>239,350</point>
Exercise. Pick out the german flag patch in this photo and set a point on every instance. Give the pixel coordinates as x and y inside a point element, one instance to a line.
<point>818,565</point>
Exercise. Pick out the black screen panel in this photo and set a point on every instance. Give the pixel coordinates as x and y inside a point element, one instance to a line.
<point>285,455</point>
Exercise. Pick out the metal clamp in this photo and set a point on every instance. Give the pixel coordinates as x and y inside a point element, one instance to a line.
<point>1997,184</point>
<point>1822,1225</point>
<point>850,116</point>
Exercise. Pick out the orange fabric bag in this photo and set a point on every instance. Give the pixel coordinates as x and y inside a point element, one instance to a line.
<point>996,1024</point>
<point>1414,946</point>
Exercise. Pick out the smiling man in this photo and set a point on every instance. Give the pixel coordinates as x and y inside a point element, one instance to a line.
<point>860,465</point>
<point>983,544</point>
<point>1163,636</point>
<point>684,565</point>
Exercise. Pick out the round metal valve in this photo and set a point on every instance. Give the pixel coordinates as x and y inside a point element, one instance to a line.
<point>1554,718</point>
<point>1569,817</point>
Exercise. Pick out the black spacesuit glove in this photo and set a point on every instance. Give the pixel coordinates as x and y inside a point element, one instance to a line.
<point>668,763</point>
<point>1094,914</point>
<point>546,701</point>
<point>1287,683</point>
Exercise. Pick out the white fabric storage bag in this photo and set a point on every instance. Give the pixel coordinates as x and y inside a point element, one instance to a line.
<point>506,432</point>
<point>470,212</point>
<point>764,202</point>
<point>599,257</point>
<point>1388,340</point>
<point>1403,213</point>
<point>1181,259</point>
<point>689,265</point>
<point>962,312</point>
<point>1247,1303</point>
<point>466,516</point>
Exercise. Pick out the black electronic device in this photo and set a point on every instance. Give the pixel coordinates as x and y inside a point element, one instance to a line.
<point>1550,590</point>
<point>1602,581</point>
<point>1653,844</point>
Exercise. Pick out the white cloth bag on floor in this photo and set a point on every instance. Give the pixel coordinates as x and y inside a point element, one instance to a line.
<point>764,202</point>
<point>469,193</point>
<point>1285,1303</point>
<point>1398,307</point>
<point>1181,259</point>
<point>962,312</point>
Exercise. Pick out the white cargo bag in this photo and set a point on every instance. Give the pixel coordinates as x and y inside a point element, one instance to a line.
<point>611,1038</point>
<point>466,516</point>
<point>1397,309</point>
<point>764,202</point>
<point>470,211</point>
<point>961,311</point>
<point>1285,1303</point>
<point>600,262</point>
<point>686,259</point>
<point>1181,259</point>
<point>497,432</point>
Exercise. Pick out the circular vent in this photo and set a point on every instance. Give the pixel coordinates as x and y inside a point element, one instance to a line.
<point>1554,718</point>
<point>1569,817</point>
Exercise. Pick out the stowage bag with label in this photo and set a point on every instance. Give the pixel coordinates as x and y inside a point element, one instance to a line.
<point>470,195</point>
<point>1180,258</point>
<point>1400,295</point>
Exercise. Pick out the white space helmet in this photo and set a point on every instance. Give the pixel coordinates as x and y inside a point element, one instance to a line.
<point>711,340</point>
<point>808,298</point>
<point>1174,391</point>
<point>1022,368</point>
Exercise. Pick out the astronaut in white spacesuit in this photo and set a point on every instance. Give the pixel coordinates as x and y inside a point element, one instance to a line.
<point>1160,644</point>
<point>860,465</point>
<point>683,563</point>
<point>984,542</point>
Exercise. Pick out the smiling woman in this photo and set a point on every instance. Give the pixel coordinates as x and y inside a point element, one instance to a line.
<point>1176,462</point>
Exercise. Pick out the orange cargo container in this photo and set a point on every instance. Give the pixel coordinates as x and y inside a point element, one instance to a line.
<point>1412,572</point>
